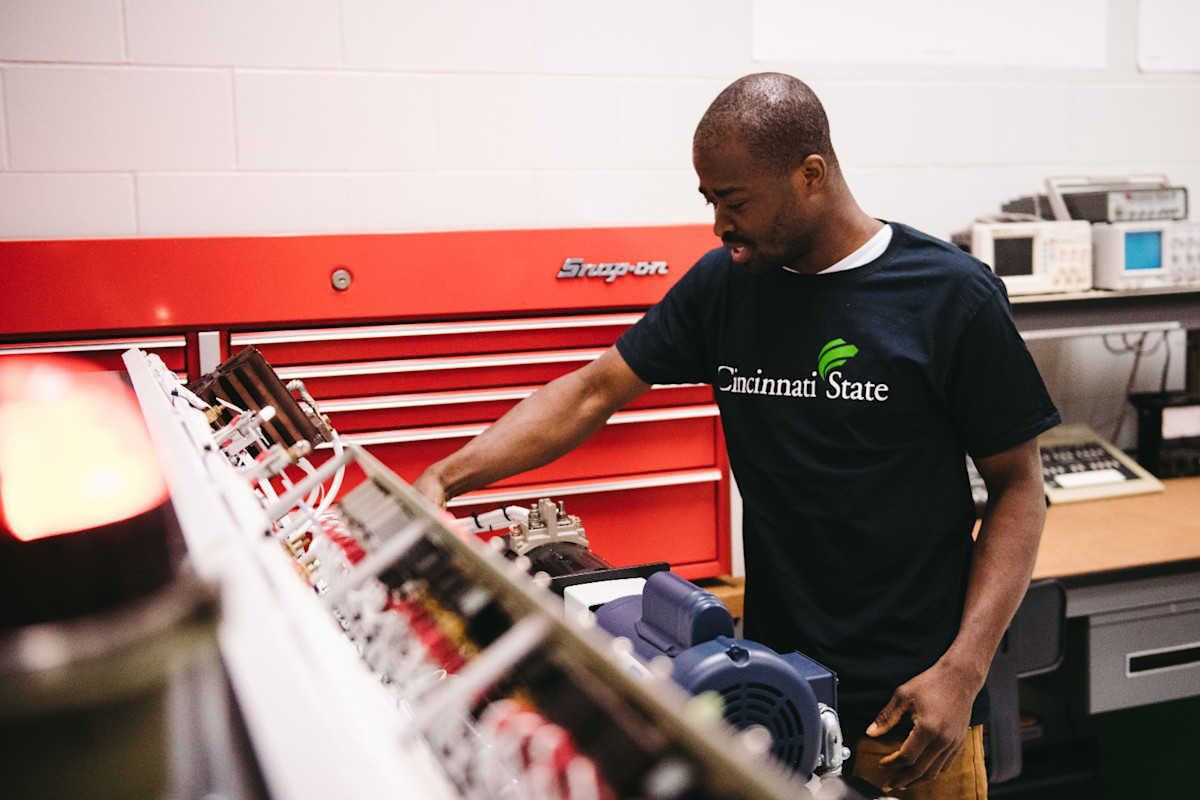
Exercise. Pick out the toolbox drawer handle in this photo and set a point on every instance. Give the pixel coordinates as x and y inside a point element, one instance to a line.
<point>424,399</point>
<point>94,345</point>
<point>460,397</point>
<point>432,329</point>
<point>435,364</point>
<point>587,487</point>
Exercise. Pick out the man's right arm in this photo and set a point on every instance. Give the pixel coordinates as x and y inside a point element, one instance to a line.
<point>549,423</point>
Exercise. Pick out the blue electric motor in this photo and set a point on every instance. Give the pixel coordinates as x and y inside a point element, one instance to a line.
<point>791,696</point>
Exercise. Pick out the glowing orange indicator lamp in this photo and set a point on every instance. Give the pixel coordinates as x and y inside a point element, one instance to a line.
<point>74,451</point>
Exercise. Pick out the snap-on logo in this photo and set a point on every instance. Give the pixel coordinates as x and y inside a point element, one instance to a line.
<point>577,268</point>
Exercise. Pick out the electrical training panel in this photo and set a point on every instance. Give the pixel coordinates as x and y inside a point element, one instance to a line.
<point>411,656</point>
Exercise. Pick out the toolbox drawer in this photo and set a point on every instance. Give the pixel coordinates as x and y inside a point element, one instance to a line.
<point>106,353</point>
<point>465,406</point>
<point>630,443</point>
<point>406,375</point>
<point>1144,655</point>
<point>412,340</point>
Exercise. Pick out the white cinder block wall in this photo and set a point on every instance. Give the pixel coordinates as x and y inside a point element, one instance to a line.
<point>167,117</point>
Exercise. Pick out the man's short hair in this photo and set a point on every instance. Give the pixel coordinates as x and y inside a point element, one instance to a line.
<point>778,117</point>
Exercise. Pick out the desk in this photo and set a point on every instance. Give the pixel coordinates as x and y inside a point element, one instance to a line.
<point>1084,542</point>
<point>1131,567</point>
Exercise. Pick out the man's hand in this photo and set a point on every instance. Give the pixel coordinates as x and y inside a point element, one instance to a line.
<point>939,702</point>
<point>432,488</point>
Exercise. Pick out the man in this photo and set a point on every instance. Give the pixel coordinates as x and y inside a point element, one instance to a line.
<point>855,363</point>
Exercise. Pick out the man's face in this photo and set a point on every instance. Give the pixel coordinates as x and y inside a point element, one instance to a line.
<point>757,211</point>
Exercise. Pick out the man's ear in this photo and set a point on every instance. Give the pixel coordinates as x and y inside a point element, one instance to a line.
<point>810,175</point>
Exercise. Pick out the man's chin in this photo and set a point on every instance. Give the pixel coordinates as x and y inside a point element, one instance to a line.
<point>756,266</point>
<point>748,260</point>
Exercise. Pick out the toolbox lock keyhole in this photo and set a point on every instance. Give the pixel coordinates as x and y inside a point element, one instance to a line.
<point>341,279</point>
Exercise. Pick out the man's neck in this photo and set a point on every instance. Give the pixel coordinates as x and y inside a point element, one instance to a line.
<point>847,232</point>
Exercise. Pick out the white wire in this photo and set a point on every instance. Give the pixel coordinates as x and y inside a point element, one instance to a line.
<point>319,499</point>
<point>318,491</point>
<point>231,406</point>
<point>335,485</point>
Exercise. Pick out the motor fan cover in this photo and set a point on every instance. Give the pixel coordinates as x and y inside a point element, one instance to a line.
<point>759,687</point>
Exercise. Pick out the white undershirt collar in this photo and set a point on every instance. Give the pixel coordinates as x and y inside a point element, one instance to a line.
<point>864,255</point>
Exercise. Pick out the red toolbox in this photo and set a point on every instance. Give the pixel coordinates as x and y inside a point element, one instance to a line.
<point>413,343</point>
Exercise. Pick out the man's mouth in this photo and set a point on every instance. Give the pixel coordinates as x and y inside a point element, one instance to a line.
<point>738,251</point>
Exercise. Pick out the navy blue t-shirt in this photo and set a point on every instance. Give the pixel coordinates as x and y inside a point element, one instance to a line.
<point>849,401</point>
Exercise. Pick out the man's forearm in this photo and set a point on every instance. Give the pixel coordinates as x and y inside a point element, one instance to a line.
<point>1000,573</point>
<point>1001,567</point>
<point>549,423</point>
<point>516,442</point>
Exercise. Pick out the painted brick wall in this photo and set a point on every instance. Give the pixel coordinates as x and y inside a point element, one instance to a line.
<point>168,117</point>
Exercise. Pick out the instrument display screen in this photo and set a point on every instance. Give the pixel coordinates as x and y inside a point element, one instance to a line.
<point>1013,255</point>
<point>1143,250</point>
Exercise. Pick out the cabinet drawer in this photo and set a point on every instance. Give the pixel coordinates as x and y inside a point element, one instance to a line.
<point>1144,655</point>
<point>632,442</point>
<point>425,409</point>
<point>674,517</point>
<point>403,376</point>
<point>107,352</point>
<point>412,340</point>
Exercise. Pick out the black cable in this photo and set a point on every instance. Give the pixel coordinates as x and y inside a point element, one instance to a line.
<point>1162,386</point>
<point>1137,361</point>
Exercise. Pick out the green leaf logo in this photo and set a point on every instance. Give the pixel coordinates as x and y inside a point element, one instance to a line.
<point>833,355</point>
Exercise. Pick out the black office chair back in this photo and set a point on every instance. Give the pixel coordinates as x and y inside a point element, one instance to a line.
<point>1033,644</point>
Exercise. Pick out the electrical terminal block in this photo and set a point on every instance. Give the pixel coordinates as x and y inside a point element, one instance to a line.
<point>298,544</point>
<point>547,523</point>
<point>537,757</point>
<point>616,737</point>
<point>439,647</point>
<point>337,551</point>
<point>362,614</point>
<point>244,432</point>
<point>439,617</point>
<point>382,629</point>
<point>371,513</point>
<point>308,566</point>
<point>468,763</point>
<point>273,461</point>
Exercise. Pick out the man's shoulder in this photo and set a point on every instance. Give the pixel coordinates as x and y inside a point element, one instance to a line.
<point>910,238</point>
<point>925,251</point>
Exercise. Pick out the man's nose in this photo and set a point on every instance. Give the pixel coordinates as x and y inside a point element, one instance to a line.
<point>721,223</point>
